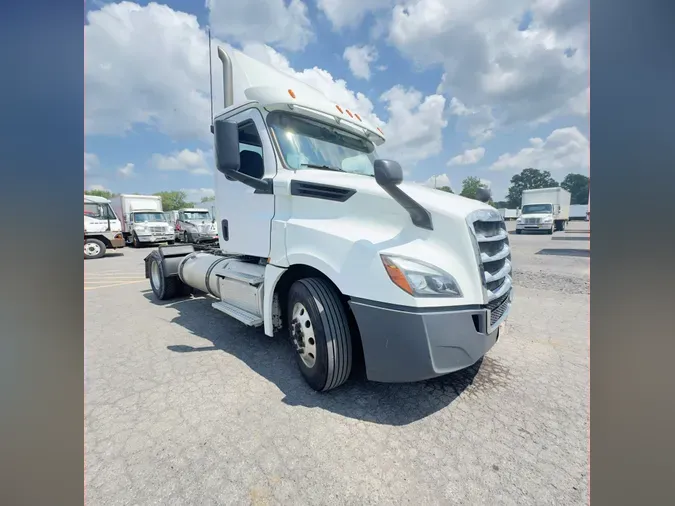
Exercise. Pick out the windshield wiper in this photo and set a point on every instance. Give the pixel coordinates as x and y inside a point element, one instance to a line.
<point>322,167</point>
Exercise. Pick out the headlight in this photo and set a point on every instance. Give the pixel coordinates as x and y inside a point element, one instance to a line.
<point>548,219</point>
<point>519,220</point>
<point>420,279</point>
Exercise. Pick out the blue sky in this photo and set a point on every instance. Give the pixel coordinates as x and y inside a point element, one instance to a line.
<point>461,87</point>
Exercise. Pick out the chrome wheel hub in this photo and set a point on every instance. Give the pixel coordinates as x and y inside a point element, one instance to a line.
<point>302,334</point>
<point>91,249</point>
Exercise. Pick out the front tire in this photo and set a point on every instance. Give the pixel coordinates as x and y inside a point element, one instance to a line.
<point>93,248</point>
<point>319,329</point>
<point>518,231</point>
<point>135,241</point>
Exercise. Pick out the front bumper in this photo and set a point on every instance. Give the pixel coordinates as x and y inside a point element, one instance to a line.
<point>413,344</point>
<point>539,226</point>
<point>205,237</point>
<point>157,237</point>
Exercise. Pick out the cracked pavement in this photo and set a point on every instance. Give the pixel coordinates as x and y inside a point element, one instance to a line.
<point>184,405</point>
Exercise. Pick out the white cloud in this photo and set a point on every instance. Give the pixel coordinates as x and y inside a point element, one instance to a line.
<point>91,162</point>
<point>359,59</point>
<point>478,122</point>
<point>469,157</point>
<point>564,150</point>
<point>127,170</point>
<point>438,181</point>
<point>486,183</point>
<point>280,22</point>
<point>196,162</point>
<point>415,127</point>
<point>349,13</point>
<point>195,195</point>
<point>520,76</point>
<point>125,40</point>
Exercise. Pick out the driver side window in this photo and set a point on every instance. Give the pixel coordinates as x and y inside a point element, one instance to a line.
<point>250,151</point>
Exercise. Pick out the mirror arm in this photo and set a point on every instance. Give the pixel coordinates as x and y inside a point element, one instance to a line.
<point>260,185</point>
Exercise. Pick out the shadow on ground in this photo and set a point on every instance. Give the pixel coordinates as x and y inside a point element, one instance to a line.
<point>112,254</point>
<point>570,238</point>
<point>274,359</point>
<point>565,252</point>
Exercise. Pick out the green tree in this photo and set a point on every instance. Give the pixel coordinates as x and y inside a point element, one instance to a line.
<point>173,200</point>
<point>100,193</point>
<point>470,187</point>
<point>501,204</point>
<point>577,185</point>
<point>208,199</point>
<point>528,179</point>
<point>445,189</point>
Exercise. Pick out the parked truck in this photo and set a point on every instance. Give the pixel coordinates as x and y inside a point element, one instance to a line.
<point>196,226</point>
<point>544,209</point>
<point>143,221</point>
<point>102,228</point>
<point>320,238</point>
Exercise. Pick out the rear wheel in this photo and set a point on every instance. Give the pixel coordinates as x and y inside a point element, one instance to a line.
<point>319,330</point>
<point>165,287</point>
<point>93,248</point>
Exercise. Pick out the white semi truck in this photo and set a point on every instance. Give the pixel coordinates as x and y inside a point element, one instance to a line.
<point>102,228</point>
<point>321,238</point>
<point>143,221</point>
<point>544,209</point>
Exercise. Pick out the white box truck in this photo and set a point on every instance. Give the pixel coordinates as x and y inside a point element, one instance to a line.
<point>321,238</point>
<point>143,221</point>
<point>578,211</point>
<point>544,209</point>
<point>102,228</point>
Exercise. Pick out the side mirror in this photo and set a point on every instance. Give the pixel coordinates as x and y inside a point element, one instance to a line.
<point>226,138</point>
<point>388,173</point>
<point>483,194</point>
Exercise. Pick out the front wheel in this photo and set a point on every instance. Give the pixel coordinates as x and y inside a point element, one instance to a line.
<point>136,242</point>
<point>93,248</point>
<point>319,330</point>
<point>518,231</point>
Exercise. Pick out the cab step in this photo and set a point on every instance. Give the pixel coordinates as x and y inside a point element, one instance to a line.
<point>250,319</point>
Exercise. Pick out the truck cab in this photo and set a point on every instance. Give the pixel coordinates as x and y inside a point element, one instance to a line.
<point>147,226</point>
<point>320,238</point>
<point>196,226</point>
<point>102,227</point>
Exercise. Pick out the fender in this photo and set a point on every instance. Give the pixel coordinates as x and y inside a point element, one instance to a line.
<point>170,257</point>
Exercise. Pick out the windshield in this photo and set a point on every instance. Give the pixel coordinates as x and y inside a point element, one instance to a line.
<point>196,215</point>
<point>141,217</point>
<point>99,211</point>
<point>306,143</point>
<point>537,208</point>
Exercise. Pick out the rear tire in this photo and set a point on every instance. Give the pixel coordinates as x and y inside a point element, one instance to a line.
<point>93,248</point>
<point>164,287</point>
<point>318,324</point>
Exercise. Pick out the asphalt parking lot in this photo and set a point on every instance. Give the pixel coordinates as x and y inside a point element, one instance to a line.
<point>184,405</point>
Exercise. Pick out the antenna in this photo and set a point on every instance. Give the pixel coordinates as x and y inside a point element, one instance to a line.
<point>211,80</point>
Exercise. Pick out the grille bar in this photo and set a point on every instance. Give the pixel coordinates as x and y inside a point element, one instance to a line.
<point>493,253</point>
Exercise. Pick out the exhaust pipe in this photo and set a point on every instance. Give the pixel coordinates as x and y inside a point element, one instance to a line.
<point>228,86</point>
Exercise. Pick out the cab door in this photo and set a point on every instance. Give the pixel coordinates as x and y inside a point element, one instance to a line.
<point>244,215</point>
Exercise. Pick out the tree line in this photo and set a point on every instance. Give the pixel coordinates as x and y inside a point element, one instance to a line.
<point>529,179</point>
<point>171,200</point>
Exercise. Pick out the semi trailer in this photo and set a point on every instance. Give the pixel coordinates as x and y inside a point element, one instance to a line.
<point>321,239</point>
<point>102,227</point>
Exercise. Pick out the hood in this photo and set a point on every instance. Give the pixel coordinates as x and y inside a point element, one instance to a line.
<point>153,224</point>
<point>442,203</point>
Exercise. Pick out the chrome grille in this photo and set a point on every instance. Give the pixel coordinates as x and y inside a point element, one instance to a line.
<point>156,230</point>
<point>497,309</point>
<point>532,221</point>
<point>493,253</point>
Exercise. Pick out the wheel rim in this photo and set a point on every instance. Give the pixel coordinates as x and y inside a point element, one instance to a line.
<point>91,249</point>
<point>302,333</point>
<point>154,273</point>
